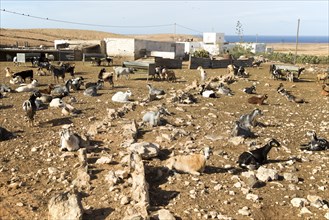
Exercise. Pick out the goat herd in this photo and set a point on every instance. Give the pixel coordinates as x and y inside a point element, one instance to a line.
<point>59,94</point>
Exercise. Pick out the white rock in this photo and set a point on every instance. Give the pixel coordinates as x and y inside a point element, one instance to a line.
<point>252,197</point>
<point>305,210</point>
<point>104,160</point>
<point>238,140</point>
<point>265,174</point>
<point>299,202</point>
<point>292,177</point>
<point>65,206</point>
<point>145,149</point>
<point>244,211</point>
<point>326,215</point>
<point>164,214</point>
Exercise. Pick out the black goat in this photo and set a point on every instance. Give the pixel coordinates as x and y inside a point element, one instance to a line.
<point>257,157</point>
<point>68,68</point>
<point>106,76</point>
<point>24,75</point>
<point>58,72</point>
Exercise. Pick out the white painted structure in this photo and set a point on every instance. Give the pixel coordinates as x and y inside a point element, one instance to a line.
<point>213,38</point>
<point>136,48</point>
<point>254,47</point>
<point>191,46</point>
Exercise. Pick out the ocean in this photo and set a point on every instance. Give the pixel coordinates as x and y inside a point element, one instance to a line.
<point>277,39</point>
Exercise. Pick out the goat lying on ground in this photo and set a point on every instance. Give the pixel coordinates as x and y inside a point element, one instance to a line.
<point>153,118</point>
<point>256,158</point>
<point>28,87</point>
<point>121,96</point>
<point>259,100</point>
<point>193,164</point>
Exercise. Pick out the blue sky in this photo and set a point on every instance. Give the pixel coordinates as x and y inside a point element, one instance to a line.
<point>192,17</point>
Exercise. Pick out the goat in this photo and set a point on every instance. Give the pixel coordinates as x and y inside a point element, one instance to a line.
<point>68,109</point>
<point>240,130</point>
<point>24,75</point>
<point>299,71</point>
<point>5,134</point>
<point>47,90</point>
<point>249,120</point>
<point>69,140</point>
<point>76,83</point>
<point>316,143</point>
<point>250,90</point>
<point>29,106</point>
<point>90,91</point>
<point>203,73</point>
<point>322,76</point>
<point>207,93</point>
<point>4,88</point>
<point>258,157</point>
<point>153,118</point>
<point>123,71</point>
<point>29,87</point>
<point>40,72</point>
<point>106,76</point>
<point>99,84</point>
<point>157,73</point>
<point>9,73</point>
<point>257,100</point>
<point>168,75</point>
<point>62,91</point>
<point>68,68</point>
<point>193,164</point>
<point>121,96</point>
<point>325,91</point>
<point>155,91</point>
<point>56,103</point>
<point>16,80</point>
<point>224,90</point>
<point>256,63</point>
<point>58,73</point>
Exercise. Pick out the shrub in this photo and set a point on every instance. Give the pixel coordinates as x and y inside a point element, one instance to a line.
<point>201,53</point>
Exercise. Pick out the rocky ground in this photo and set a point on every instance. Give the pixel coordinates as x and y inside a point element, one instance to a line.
<point>33,169</point>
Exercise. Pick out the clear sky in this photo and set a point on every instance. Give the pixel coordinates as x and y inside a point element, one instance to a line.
<point>192,17</point>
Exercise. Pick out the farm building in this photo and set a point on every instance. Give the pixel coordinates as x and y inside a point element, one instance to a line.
<point>254,47</point>
<point>135,48</point>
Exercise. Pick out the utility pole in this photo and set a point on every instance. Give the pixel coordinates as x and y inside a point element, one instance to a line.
<point>297,41</point>
<point>174,31</point>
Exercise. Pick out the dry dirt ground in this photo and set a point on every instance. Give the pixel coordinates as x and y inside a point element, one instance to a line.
<point>26,183</point>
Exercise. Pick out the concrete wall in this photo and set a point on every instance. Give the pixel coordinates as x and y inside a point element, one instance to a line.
<point>208,63</point>
<point>190,46</point>
<point>169,55</point>
<point>120,47</point>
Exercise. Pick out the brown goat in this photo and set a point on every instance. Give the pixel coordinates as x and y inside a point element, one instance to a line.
<point>325,90</point>
<point>47,90</point>
<point>322,76</point>
<point>257,100</point>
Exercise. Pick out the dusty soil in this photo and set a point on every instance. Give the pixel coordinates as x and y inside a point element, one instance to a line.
<point>26,185</point>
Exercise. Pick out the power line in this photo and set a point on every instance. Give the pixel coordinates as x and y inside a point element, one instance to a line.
<point>86,24</point>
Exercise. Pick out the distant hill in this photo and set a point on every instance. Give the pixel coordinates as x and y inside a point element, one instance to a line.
<point>46,37</point>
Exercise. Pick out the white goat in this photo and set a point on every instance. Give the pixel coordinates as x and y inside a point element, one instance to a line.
<point>28,87</point>
<point>203,73</point>
<point>193,164</point>
<point>56,103</point>
<point>121,96</point>
<point>123,71</point>
<point>153,117</point>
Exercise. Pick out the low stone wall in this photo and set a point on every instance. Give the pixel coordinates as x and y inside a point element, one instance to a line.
<point>208,63</point>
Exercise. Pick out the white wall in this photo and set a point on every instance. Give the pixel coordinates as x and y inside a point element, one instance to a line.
<point>169,55</point>
<point>190,46</point>
<point>120,46</point>
<point>213,38</point>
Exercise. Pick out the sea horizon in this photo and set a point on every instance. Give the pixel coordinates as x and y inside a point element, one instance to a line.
<point>277,39</point>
